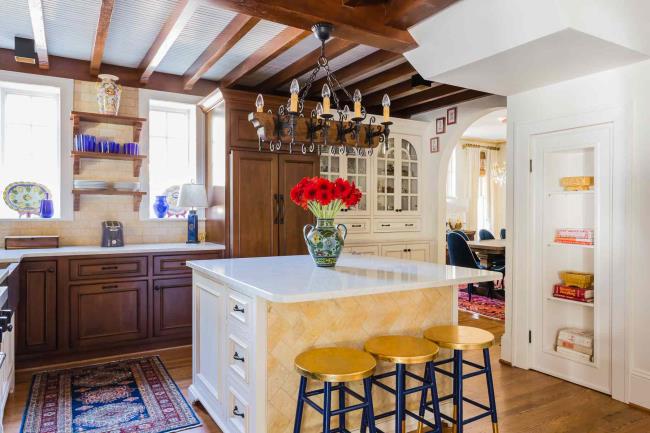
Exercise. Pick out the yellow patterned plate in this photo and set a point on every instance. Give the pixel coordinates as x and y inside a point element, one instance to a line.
<point>25,197</point>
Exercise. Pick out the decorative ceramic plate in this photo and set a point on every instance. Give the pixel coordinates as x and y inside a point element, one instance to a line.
<point>25,197</point>
<point>172,194</point>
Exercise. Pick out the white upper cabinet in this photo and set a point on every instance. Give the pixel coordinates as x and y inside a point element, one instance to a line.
<point>353,168</point>
<point>397,184</point>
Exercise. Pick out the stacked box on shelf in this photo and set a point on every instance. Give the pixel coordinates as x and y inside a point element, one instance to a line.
<point>577,343</point>
<point>576,286</point>
<point>575,236</point>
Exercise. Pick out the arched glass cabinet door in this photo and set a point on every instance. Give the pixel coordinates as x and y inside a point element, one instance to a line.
<point>356,170</point>
<point>386,177</point>
<point>330,164</point>
<point>409,172</point>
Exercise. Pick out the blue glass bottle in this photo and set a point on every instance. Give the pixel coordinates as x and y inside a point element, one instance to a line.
<point>160,206</point>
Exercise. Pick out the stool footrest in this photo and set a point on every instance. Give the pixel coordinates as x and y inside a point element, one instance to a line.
<point>443,372</point>
<point>477,417</point>
<point>477,404</point>
<point>473,364</point>
<point>473,373</point>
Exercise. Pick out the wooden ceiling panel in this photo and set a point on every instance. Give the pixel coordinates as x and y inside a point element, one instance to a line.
<point>424,96</point>
<point>456,98</point>
<point>386,78</point>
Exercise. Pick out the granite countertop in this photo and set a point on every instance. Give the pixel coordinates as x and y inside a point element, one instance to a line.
<point>297,279</point>
<point>14,256</point>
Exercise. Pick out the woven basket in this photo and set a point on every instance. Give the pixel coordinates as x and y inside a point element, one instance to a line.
<point>577,279</point>
<point>577,183</point>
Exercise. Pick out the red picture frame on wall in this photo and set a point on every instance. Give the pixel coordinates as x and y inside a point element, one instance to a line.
<point>452,114</point>
<point>441,125</point>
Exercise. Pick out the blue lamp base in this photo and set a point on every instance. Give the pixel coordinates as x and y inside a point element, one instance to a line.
<point>192,227</point>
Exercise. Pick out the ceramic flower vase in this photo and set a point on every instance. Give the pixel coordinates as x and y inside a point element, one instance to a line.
<point>325,241</point>
<point>160,206</point>
<point>108,94</point>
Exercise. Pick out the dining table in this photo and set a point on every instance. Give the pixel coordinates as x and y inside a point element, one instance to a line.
<point>489,251</point>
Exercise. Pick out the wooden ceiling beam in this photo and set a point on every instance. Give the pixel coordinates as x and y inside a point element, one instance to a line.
<point>403,14</point>
<point>396,91</point>
<point>352,72</point>
<point>165,39</point>
<point>456,98</point>
<point>101,34</point>
<point>385,78</point>
<point>38,28</point>
<point>74,69</point>
<point>333,48</point>
<point>234,31</point>
<point>424,96</point>
<point>361,25</point>
<point>284,40</point>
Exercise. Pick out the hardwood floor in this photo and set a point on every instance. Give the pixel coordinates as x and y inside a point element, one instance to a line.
<point>528,402</point>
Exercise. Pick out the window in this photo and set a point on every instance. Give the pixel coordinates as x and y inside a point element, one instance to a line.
<point>452,181</point>
<point>29,146</point>
<point>172,150</point>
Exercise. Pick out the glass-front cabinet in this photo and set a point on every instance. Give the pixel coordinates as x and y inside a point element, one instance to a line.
<point>351,167</point>
<point>397,186</point>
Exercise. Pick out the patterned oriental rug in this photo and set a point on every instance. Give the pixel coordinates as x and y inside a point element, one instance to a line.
<point>135,395</point>
<point>482,305</point>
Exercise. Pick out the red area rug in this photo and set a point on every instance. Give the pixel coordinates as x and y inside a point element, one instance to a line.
<point>135,395</point>
<point>482,305</point>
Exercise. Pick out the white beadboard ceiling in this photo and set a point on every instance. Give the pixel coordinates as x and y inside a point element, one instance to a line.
<point>70,29</point>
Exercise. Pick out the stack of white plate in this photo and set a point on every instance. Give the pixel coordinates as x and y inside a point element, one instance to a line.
<point>91,184</point>
<point>126,186</point>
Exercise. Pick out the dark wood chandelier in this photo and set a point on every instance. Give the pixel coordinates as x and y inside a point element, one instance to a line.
<point>343,132</point>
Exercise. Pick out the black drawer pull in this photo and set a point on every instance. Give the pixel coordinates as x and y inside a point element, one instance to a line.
<point>405,250</point>
<point>409,225</point>
<point>107,268</point>
<point>385,225</point>
<point>237,357</point>
<point>238,309</point>
<point>110,286</point>
<point>356,225</point>
<point>236,412</point>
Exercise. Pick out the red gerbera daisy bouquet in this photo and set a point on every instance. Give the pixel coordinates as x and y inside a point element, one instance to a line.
<point>325,198</point>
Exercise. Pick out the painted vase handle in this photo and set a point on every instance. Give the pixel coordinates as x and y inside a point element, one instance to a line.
<point>306,229</point>
<point>340,227</point>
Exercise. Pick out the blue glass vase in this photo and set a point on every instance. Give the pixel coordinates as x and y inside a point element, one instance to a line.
<point>47,207</point>
<point>160,206</point>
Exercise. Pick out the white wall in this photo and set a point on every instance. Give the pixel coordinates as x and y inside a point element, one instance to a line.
<point>626,91</point>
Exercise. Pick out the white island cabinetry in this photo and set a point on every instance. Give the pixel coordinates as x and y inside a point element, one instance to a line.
<point>252,317</point>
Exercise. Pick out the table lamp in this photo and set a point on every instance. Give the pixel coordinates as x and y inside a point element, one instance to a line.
<point>193,196</point>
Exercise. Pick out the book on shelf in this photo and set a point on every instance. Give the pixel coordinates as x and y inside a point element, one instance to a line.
<point>583,337</point>
<point>573,293</point>
<point>573,241</point>
<point>587,350</point>
<point>575,233</point>
<point>573,354</point>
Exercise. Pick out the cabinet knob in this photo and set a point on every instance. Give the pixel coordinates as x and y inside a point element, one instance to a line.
<point>236,412</point>
<point>237,357</point>
<point>156,288</point>
<point>50,270</point>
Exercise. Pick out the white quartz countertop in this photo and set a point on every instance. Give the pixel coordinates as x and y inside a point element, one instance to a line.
<point>14,256</point>
<point>297,279</point>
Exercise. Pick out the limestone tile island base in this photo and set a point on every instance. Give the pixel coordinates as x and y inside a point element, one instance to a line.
<point>247,332</point>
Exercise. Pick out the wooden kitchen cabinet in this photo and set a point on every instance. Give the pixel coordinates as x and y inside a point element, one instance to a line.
<point>172,307</point>
<point>37,310</point>
<point>264,220</point>
<point>107,313</point>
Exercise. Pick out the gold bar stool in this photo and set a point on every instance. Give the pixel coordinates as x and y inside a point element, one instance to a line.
<point>460,339</point>
<point>403,351</point>
<point>335,365</point>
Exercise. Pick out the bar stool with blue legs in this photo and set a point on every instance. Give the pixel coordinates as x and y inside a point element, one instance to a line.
<point>459,339</point>
<point>404,351</point>
<point>335,365</point>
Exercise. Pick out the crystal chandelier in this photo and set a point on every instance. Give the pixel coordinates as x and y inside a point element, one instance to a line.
<point>339,129</point>
<point>499,173</point>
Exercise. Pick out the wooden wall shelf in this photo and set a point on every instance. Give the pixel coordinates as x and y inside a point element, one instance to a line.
<point>80,116</point>
<point>137,196</point>
<point>77,156</point>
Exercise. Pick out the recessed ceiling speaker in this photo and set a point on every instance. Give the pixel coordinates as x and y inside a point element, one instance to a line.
<point>420,83</point>
<point>24,50</point>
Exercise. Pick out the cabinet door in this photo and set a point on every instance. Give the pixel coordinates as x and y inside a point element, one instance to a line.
<point>418,252</point>
<point>254,206</point>
<point>37,307</point>
<point>108,313</point>
<point>351,167</point>
<point>172,307</point>
<point>292,217</point>
<point>397,185</point>
<point>395,251</point>
<point>385,188</point>
<point>409,169</point>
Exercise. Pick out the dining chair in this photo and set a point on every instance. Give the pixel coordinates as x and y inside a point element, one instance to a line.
<point>503,233</point>
<point>485,235</point>
<point>464,235</point>
<point>460,254</point>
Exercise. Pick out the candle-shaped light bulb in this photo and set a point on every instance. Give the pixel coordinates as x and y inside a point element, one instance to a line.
<point>385,102</point>
<point>319,109</point>
<point>259,103</point>
<point>294,89</point>
<point>346,111</point>
<point>356,98</point>
<point>326,98</point>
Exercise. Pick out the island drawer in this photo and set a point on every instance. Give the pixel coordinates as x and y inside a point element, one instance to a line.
<point>239,308</point>
<point>238,356</point>
<point>113,267</point>
<point>237,410</point>
<point>177,263</point>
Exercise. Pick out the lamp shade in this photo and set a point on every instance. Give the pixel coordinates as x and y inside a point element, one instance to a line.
<point>192,195</point>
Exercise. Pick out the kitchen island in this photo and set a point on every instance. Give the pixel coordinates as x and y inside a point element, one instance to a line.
<point>252,316</point>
